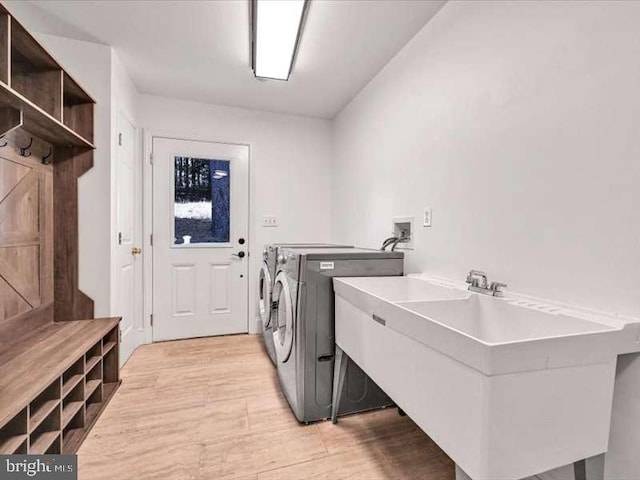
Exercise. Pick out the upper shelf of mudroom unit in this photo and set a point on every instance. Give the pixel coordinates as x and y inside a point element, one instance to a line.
<point>54,106</point>
<point>40,123</point>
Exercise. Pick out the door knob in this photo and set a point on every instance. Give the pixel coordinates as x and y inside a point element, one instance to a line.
<point>136,251</point>
<point>240,254</point>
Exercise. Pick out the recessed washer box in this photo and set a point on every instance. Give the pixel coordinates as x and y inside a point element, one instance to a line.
<point>400,226</point>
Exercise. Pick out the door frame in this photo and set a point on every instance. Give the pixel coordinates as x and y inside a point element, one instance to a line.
<point>147,220</point>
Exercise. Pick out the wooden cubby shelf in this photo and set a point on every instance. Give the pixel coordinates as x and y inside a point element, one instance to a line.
<point>92,361</point>
<point>34,73</point>
<point>40,443</point>
<point>109,388</point>
<point>14,433</point>
<point>69,411</point>
<point>92,386</point>
<point>55,410</point>
<point>93,409</point>
<point>77,108</point>
<point>108,346</point>
<point>72,439</point>
<point>42,412</point>
<point>55,108</point>
<point>10,445</point>
<point>70,383</point>
<point>59,366</point>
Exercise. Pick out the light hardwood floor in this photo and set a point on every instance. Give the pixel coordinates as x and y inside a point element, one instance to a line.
<point>211,409</point>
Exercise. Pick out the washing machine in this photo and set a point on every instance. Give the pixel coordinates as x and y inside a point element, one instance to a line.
<point>265,284</point>
<point>303,323</point>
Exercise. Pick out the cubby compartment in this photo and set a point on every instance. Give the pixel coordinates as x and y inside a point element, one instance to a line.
<point>94,405</point>
<point>109,341</point>
<point>45,403</point>
<point>56,446</point>
<point>94,381</point>
<point>72,376</point>
<point>14,434</point>
<point>110,365</point>
<point>74,432</point>
<point>77,109</point>
<point>23,448</point>
<point>93,356</point>
<point>34,73</point>
<point>46,433</point>
<point>72,403</point>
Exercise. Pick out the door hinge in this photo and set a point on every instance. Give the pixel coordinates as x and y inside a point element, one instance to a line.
<point>151,239</point>
<point>119,336</point>
<point>151,316</point>
<point>120,139</point>
<point>151,158</point>
<point>119,238</point>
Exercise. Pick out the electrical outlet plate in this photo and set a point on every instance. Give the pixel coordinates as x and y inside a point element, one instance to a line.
<point>400,226</point>
<point>270,221</point>
<point>427,217</point>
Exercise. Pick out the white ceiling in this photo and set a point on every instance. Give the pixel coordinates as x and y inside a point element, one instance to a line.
<point>199,50</point>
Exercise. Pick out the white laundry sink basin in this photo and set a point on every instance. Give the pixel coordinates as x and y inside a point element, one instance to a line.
<point>507,387</point>
<point>492,335</point>
<point>496,322</point>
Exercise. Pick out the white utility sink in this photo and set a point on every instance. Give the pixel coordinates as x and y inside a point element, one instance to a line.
<point>507,387</point>
<point>495,322</point>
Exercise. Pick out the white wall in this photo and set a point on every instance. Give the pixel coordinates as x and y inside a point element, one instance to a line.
<point>289,168</point>
<point>124,93</point>
<point>90,64</point>
<point>518,122</point>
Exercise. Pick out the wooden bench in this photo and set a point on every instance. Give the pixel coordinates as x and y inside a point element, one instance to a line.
<point>54,383</point>
<point>57,370</point>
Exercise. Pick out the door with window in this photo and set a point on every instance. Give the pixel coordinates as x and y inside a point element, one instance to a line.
<point>200,238</point>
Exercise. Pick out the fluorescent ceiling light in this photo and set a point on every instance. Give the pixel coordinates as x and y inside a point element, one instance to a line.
<point>276,31</point>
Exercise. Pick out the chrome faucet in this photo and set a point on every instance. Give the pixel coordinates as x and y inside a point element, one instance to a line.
<point>479,283</point>
<point>474,277</point>
<point>496,289</point>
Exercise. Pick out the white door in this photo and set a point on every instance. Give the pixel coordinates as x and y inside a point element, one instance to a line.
<point>200,238</point>
<point>128,261</point>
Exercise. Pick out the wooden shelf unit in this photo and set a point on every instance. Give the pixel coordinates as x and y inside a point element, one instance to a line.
<point>14,433</point>
<point>55,107</point>
<point>58,365</point>
<point>77,108</point>
<point>34,73</point>
<point>42,443</point>
<point>72,377</point>
<point>55,414</point>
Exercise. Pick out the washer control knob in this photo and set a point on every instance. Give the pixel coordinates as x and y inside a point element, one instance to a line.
<point>282,259</point>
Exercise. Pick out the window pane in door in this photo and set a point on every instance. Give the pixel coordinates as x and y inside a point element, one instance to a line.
<point>202,200</point>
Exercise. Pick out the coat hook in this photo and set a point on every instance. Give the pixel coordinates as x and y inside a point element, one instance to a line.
<point>44,159</point>
<point>24,151</point>
<point>5,142</point>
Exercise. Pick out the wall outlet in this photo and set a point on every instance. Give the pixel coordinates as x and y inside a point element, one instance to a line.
<point>270,221</point>
<point>427,217</point>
